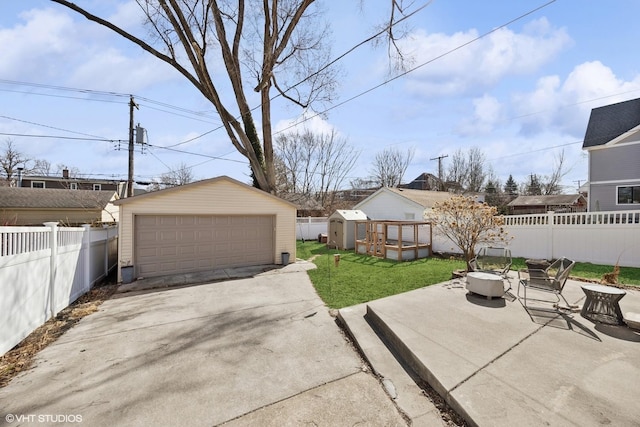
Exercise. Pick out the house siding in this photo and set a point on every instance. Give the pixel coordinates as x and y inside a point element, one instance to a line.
<point>66,184</point>
<point>602,197</point>
<point>610,168</point>
<point>390,206</point>
<point>615,163</point>
<point>221,197</point>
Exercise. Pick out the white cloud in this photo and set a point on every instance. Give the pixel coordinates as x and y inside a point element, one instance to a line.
<point>111,69</point>
<point>565,106</point>
<point>34,49</point>
<point>127,15</point>
<point>488,112</point>
<point>57,45</point>
<point>308,120</point>
<point>482,63</point>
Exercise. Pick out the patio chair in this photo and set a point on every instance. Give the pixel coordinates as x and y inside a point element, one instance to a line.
<point>552,279</point>
<point>492,260</point>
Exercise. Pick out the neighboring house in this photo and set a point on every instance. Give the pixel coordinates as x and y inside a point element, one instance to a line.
<point>612,142</point>
<point>34,206</point>
<point>425,181</point>
<point>67,182</point>
<point>307,205</point>
<point>542,204</point>
<point>211,224</point>
<point>402,204</point>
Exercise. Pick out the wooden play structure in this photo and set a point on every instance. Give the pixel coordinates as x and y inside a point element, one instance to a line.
<point>397,240</point>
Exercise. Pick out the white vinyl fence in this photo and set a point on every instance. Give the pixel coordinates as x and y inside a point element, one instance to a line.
<point>595,237</point>
<point>44,269</point>
<point>308,228</point>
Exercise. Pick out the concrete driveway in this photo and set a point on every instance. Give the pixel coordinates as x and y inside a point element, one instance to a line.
<point>254,351</point>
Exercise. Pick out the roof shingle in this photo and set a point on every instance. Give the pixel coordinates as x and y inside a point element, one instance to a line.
<point>44,198</point>
<point>609,122</point>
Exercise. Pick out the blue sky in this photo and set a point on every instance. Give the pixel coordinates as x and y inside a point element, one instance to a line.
<point>521,94</point>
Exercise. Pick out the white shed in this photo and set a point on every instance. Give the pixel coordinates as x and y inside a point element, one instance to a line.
<point>342,228</point>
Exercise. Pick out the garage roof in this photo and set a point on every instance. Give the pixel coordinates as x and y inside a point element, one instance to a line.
<point>199,183</point>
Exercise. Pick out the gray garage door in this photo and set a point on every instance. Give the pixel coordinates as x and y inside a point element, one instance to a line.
<point>174,244</point>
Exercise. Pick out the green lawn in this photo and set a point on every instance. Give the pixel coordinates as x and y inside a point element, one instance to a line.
<point>361,278</point>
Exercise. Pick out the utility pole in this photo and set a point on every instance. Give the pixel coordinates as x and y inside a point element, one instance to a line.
<point>578,182</point>
<point>439,159</point>
<point>130,180</point>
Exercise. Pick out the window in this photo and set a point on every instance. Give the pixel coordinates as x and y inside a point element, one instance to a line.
<point>97,187</point>
<point>37,184</point>
<point>73,185</point>
<point>629,195</point>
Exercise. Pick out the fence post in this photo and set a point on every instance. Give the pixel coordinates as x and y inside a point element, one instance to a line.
<point>86,259</point>
<point>107,240</point>
<point>550,243</point>
<point>53,243</point>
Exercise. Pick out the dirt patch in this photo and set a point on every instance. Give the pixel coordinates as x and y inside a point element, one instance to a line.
<point>20,358</point>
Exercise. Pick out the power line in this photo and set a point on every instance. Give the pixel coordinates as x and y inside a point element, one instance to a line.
<point>100,93</point>
<point>311,75</point>
<point>47,126</point>
<point>26,135</point>
<point>384,83</point>
<point>197,154</point>
<point>536,151</point>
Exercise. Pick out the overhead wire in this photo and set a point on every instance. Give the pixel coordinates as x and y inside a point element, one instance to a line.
<point>304,119</point>
<point>411,70</point>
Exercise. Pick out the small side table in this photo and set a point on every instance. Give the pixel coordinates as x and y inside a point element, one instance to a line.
<point>602,305</point>
<point>487,284</point>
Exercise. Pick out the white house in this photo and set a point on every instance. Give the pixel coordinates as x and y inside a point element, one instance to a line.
<point>402,204</point>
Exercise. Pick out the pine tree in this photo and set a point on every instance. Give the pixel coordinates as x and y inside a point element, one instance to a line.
<point>510,187</point>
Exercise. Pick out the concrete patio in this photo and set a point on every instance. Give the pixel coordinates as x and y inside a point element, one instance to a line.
<point>498,364</point>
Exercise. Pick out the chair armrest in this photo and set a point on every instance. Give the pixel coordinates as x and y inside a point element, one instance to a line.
<point>532,273</point>
<point>506,268</point>
<point>537,278</point>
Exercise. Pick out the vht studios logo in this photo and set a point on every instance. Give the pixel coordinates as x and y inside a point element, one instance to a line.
<point>42,418</point>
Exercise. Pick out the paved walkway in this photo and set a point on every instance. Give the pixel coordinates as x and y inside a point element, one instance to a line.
<point>498,364</point>
<point>261,350</point>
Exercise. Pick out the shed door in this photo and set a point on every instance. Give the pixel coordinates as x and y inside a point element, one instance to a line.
<point>336,233</point>
<point>175,244</point>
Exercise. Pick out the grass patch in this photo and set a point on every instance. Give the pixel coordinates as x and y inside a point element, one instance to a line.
<point>362,278</point>
<point>588,271</point>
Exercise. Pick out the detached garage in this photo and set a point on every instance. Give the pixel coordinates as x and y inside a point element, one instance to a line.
<point>205,225</point>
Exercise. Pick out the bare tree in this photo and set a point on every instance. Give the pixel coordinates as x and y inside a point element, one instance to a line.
<point>10,160</point>
<point>550,184</point>
<point>467,224</point>
<point>390,165</point>
<point>314,164</point>
<point>476,170</point>
<point>41,167</point>
<point>278,45</point>
<point>468,170</point>
<point>457,169</point>
<point>180,175</point>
